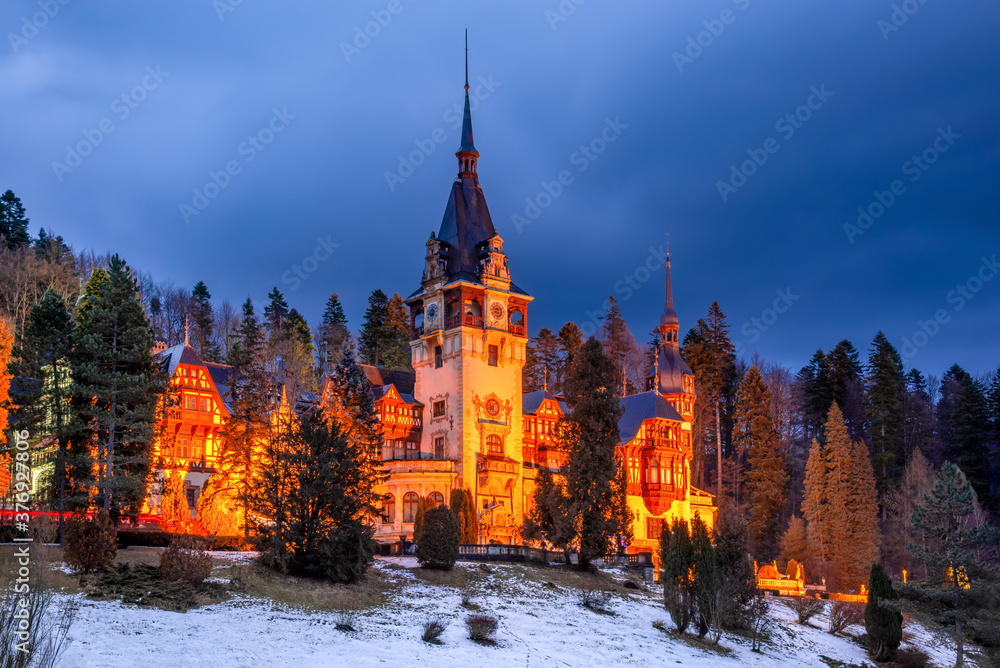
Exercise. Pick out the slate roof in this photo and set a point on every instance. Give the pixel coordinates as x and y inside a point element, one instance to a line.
<point>671,368</point>
<point>466,225</point>
<point>642,407</point>
<point>531,401</point>
<point>380,377</point>
<point>176,355</point>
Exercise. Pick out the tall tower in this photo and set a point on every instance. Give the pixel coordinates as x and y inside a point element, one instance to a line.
<point>468,342</point>
<point>670,375</point>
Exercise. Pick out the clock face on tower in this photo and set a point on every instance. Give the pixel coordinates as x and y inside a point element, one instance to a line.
<point>432,312</point>
<point>493,407</point>
<point>496,311</point>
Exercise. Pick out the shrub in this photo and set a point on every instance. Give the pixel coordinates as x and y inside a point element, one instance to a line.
<point>437,546</point>
<point>481,627</point>
<point>805,608</point>
<point>344,620</point>
<point>844,614</point>
<point>432,631</point>
<point>91,543</point>
<point>912,657</point>
<point>883,621</point>
<point>185,559</point>
<point>45,635</point>
<point>467,601</point>
<point>595,599</point>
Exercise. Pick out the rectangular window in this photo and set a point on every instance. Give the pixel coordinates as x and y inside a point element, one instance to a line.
<point>190,402</point>
<point>654,527</point>
<point>197,448</point>
<point>439,447</point>
<point>438,358</point>
<point>182,448</point>
<point>203,404</point>
<point>411,450</point>
<point>493,356</point>
<point>438,408</point>
<point>192,497</point>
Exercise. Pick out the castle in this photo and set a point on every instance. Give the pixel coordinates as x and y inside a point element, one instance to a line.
<point>461,419</point>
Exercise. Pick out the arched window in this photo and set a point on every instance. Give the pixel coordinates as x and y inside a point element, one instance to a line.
<point>388,509</point>
<point>494,445</point>
<point>410,502</point>
<point>516,317</point>
<point>437,498</point>
<point>654,472</point>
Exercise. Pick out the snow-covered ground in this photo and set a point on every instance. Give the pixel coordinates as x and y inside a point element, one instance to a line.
<point>540,625</point>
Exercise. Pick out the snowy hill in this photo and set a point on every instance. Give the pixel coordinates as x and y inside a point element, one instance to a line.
<point>541,623</point>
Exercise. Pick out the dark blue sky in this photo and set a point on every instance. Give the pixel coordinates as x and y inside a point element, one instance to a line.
<point>684,116</point>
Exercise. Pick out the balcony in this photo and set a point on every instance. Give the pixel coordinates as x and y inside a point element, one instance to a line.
<point>397,466</point>
<point>516,330</point>
<point>496,466</point>
<point>468,320</point>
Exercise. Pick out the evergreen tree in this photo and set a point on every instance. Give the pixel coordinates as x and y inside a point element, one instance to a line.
<point>438,544</point>
<point>276,314</point>
<point>622,518</point>
<point>13,224</point>
<point>794,545</point>
<point>542,365</point>
<point>815,508</point>
<point>848,387</point>
<point>993,405</point>
<point>251,401</point>
<point>677,559</point>
<point>397,350</point>
<point>423,505</point>
<point>918,476</point>
<point>43,354</point>
<point>204,324</point>
<point>965,428</point>
<point>884,414</point>
<point>375,337</point>
<point>456,501</point>
<point>218,510</point>
<point>549,518</point>
<point>333,333</point>
<point>711,355</point>
<point>173,499</point>
<point>289,351</point>
<point>471,519</point>
<point>737,580</point>
<point>588,435</point>
<point>817,392</point>
<point>767,478</point>
<point>117,387</point>
<point>952,551</point>
<point>919,421</point>
<point>616,338</point>
<point>570,341</point>
<point>883,620</point>
<point>705,589</point>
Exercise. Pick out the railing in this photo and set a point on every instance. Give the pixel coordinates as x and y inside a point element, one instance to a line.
<point>488,465</point>
<point>453,321</point>
<point>473,321</point>
<point>416,332</point>
<point>521,553</point>
<point>516,330</point>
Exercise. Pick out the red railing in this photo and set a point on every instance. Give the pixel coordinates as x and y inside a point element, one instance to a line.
<point>516,330</point>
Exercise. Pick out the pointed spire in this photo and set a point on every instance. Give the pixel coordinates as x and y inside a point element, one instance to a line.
<point>669,316</point>
<point>546,385</point>
<point>467,153</point>
<point>186,331</point>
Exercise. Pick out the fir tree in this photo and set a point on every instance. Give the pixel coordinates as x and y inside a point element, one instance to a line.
<point>815,509</point>
<point>375,339</point>
<point>710,353</point>
<point>952,550</point>
<point>438,544</point>
<point>13,223</point>
<point>794,545</point>
<point>884,414</point>
<point>117,387</point>
<point>705,590</point>
<point>471,519</point>
<point>616,339</point>
<point>588,436</point>
<point>397,350</point>
<point>918,476</point>
<point>919,421</point>
<point>333,333</point>
<point>456,501</point>
<point>883,621</point>
<point>570,341</point>
<point>43,354</point>
<point>817,392</point>
<point>251,400</point>
<point>423,505</point>
<point>736,577</point>
<point>848,387</point>
<point>965,428</point>
<point>204,324</point>
<point>767,478</point>
<point>542,365</point>
<point>549,519</point>
<point>677,559</point>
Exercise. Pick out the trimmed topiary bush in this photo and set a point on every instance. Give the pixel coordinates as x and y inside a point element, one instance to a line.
<point>438,544</point>
<point>883,621</point>
<point>91,543</point>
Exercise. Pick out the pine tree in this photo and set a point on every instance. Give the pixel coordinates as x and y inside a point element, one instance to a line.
<point>883,620</point>
<point>919,422</point>
<point>397,351</point>
<point>817,392</point>
<point>43,354</point>
<point>677,559</point>
<point>588,436</point>
<point>952,551</point>
<point>815,509</point>
<point>375,339</point>
<point>570,341</point>
<point>204,324</point>
<point>918,476</point>
<point>333,333</point>
<point>13,224</point>
<point>117,387</point>
<point>794,545</point>
<point>439,536</point>
<point>471,519</point>
<point>710,352</point>
<point>251,401</point>
<point>705,588</point>
<point>884,413</point>
<point>456,501</point>
<point>549,518</point>
<point>737,580</point>
<point>965,428</point>
<point>848,387</point>
<point>542,365</point>
<point>423,505</point>
<point>767,478</point>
